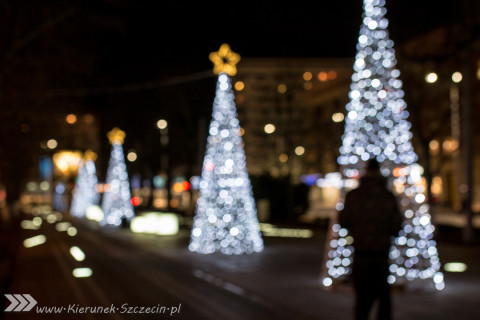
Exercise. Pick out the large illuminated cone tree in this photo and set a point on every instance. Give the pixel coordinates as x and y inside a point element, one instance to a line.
<point>225,218</point>
<point>116,202</point>
<point>376,126</point>
<point>85,193</point>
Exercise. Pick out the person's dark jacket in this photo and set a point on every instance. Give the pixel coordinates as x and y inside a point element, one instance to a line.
<point>371,214</point>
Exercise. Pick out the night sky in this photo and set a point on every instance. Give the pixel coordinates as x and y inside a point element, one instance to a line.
<point>178,36</point>
<point>100,46</point>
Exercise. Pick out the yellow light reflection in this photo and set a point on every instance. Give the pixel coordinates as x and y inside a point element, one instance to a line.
<point>51,218</point>
<point>34,241</point>
<point>155,223</point>
<point>37,221</point>
<point>94,213</point>
<point>270,230</point>
<point>28,225</point>
<point>72,231</point>
<point>77,253</point>
<point>62,226</point>
<point>82,272</point>
<point>455,267</point>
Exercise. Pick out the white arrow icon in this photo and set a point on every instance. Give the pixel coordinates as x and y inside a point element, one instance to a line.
<point>20,302</point>
<point>13,301</point>
<point>32,302</point>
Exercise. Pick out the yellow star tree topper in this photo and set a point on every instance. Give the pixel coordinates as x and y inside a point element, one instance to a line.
<point>90,155</point>
<point>225,60</point>
<point>116,136</point>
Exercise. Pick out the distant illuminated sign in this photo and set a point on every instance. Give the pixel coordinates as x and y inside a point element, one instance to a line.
<point>155,223</point>
<point>67,162</point>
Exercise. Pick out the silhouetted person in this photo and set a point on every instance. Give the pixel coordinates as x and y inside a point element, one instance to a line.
<point>372,216</point>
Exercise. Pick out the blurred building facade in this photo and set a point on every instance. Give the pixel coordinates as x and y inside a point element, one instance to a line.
<point>285,107</point>
<point>441,74</point>
<point>304,99</point>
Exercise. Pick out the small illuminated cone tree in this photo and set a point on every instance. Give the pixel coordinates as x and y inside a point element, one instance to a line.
<point>225,218</point>
<point>116,202</point>
<point>376,126</point>
<point>85,193</point>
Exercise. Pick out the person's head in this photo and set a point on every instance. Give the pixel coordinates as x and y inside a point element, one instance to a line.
<point>373,165</point>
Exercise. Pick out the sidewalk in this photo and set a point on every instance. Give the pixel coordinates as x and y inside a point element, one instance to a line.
<point>447,216</point>
<point>286,275</point>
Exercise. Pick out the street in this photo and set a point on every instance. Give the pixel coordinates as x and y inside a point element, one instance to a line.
<point>137,276</point>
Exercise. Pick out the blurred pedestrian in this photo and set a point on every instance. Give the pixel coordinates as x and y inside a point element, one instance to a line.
<point>372,216</point>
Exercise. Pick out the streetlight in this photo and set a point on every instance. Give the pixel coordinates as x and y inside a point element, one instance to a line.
<point>162,124</point>
<point>462,133</point>
<point>431,77</point>
<point>269,128</point>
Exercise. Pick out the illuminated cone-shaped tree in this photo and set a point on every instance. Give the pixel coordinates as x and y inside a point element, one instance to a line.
<point>116,202</point>
<point>226,217</point>
<point>85,193</point>
<point>376,126</point>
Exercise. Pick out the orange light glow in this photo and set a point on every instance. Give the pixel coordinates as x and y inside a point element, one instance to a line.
<point>239,85</point>
<point>322,76</point>
<point>88,118</point>
<point>67,162</point>
<point>178,187</point>
<point>332,75</point>
<point>307,85</point>
<point>181,186</point>
<point>71,118</point>
<point>397,172</point>
<point>307,76</point>
<point>282,88</point>
<point>240,98</point>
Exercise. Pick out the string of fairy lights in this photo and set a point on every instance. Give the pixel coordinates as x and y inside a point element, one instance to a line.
<point>116,201</point>
<point>226,217</point>
<point>85,193</point>
<point>376,126</point>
